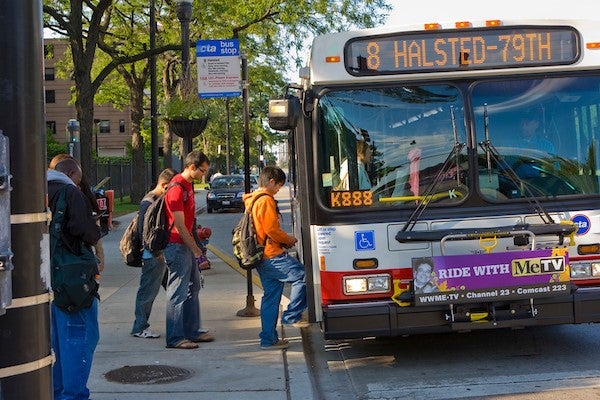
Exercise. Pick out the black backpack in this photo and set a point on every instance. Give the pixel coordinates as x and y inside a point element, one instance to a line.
<point>245,246</point>
<point>155,235</point>
<point>131,244</point>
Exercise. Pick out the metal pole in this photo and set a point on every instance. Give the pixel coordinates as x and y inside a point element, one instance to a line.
<point>25,357</point>
<point>250,310</point>
<point>228,153</point>
<point>153,102</point>
<point>184,14</point>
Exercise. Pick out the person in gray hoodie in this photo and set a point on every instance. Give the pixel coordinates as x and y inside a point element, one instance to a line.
<point>74,336</point>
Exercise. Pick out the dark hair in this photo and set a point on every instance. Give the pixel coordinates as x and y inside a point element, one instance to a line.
<point>423,260</point>
<point>195,157</point>
<point>269,173</point>
<point>166,175</point>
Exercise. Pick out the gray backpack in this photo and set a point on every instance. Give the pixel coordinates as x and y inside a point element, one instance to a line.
<point>245,246</point>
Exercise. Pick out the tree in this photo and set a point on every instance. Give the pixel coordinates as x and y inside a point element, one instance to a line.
<point>85,24</point>
<point>267,29</point>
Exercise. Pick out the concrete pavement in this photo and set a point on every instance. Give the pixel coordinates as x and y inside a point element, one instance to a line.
<point>231,367</point>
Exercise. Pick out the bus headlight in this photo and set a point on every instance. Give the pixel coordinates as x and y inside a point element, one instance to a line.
<point>596,269</point>
<point>367,284</point>
<point>580,270</point>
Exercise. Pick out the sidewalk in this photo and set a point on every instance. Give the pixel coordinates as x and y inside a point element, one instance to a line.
<point>231,367</point>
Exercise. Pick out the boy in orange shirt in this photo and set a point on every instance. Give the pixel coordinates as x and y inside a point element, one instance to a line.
<point>276,267</point>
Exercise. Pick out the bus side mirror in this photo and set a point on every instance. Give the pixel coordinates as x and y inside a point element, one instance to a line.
<point>284,113</point>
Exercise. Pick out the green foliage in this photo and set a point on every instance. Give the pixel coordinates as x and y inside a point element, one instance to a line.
<point>273,36</point>
<point>53,148</point>
<point>185,108</point>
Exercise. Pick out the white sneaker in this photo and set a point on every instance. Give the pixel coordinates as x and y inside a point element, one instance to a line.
<point>147,334</point>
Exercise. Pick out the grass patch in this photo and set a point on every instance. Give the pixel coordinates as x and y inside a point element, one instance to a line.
<point>124,207</point>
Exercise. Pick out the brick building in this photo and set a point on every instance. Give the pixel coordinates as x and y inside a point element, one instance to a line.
<point>112,127</point>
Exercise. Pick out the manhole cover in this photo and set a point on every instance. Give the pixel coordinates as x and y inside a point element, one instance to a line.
<point>148,374</point>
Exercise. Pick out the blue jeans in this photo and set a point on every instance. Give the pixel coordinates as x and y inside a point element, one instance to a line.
<point>153,270</point>
<point>74,338</point>
<point>183,286</point>
<point>274,272</point>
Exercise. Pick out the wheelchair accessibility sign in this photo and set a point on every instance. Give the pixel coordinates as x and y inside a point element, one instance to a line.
<point>364,240</point>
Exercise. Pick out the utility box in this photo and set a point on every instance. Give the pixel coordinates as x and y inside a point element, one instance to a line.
<point>5,252</point>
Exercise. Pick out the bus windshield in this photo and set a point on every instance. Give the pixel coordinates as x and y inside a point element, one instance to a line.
<point>408,144</point>
<point>545,130</point>
<point>393,143</point>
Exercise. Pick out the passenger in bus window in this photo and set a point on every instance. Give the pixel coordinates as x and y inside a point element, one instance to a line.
<point>530,138</point>
<point>423,274</point>
<point>364,152</point>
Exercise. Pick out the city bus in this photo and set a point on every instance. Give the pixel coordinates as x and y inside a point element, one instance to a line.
<point>445,177</point>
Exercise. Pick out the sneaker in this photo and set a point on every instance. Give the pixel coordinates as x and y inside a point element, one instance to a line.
<point>299,324</point>
<point>147,334</point>
<point>281,344</point>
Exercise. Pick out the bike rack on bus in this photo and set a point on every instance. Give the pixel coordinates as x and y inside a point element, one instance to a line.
<point>491,235</point>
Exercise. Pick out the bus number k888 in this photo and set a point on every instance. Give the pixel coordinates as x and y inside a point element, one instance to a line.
<point>355,198</point>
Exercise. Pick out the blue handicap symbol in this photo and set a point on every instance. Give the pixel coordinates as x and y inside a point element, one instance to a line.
<point>364,240</point>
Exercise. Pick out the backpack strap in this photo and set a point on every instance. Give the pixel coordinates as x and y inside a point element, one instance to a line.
<point>58,217</point>
<point>185,197</point>
<point>185,192</point>
<point>249,211</point>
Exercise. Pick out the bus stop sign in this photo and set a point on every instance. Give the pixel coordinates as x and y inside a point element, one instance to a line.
<point>219,72</point>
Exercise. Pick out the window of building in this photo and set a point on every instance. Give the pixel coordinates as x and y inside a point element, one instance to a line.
<point>121,126</point>
<point>48,51</point>
<point>49,74</point>
<point>51,127</point>
<point>50,96</point>
<point>104,126</point>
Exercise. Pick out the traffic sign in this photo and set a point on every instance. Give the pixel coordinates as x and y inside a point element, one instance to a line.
<point>219,72</point>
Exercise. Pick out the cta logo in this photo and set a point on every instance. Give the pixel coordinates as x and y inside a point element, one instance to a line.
<point>538,266</point>
<point>583,224</point>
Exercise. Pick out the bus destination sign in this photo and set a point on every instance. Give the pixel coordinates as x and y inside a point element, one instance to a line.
<point>431,51</point>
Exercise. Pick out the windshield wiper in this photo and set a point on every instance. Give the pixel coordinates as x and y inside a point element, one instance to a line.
<point>492,154</point>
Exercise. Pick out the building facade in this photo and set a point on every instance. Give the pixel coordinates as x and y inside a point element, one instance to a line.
<point>112,127</point>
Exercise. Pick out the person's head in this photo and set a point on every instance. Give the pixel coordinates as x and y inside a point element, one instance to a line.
<point>58,158</point>
<point>196,165</point>
<point>164,178</point>
<point>423,270</point>
<point>364,151</point>
<point>71,168</point>
<point>529,123</point>
<point>271,179</point>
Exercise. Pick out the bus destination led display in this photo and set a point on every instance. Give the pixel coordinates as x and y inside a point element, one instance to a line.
<point>462,49</point>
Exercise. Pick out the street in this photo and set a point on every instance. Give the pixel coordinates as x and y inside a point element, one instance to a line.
<point>537,363</point>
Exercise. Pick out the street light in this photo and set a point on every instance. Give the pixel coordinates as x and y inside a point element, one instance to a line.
<point>184,14</point>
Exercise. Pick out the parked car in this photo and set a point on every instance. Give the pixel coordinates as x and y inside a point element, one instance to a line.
<point>226,192</point>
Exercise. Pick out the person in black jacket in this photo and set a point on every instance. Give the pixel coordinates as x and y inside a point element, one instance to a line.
<point>74,335</point>
<point>153,267</point>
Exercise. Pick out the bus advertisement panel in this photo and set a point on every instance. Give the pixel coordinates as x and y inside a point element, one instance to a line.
<point>497,276</point>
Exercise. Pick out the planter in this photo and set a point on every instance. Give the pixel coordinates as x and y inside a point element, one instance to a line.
<point>187,128</point>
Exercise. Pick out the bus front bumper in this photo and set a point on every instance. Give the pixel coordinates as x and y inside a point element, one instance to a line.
<point>381,319</point>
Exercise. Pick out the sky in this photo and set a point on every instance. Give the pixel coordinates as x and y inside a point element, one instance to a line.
<point>407,12</point>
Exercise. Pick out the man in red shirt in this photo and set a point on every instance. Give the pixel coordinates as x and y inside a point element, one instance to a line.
<point>181,254</point>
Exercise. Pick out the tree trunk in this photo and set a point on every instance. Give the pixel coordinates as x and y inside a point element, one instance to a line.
<point>84,104</point>
<point>139,184</point>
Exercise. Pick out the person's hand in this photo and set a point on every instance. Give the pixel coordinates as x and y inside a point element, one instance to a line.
<point>292,243</point>
<point>198,253</point>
